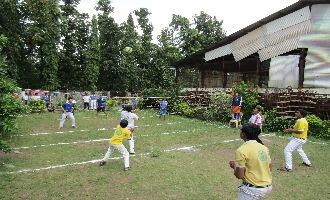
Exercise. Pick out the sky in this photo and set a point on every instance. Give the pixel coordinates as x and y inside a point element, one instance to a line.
<point>236,14</point>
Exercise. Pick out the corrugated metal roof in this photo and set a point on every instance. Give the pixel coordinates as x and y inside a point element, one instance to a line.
<point>274,33</point>
<point>218,52</point>
<point>200,56</point>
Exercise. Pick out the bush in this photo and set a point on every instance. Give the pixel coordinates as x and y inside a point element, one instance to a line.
<point>111,103</point>
<point>220,107</point>
<point>60,103</point>
<point>183,108</point>
<point>249,95</point>
<point>272,124</point>
<point>317,127</point>
<point>36,105</point>
<point>10,107</point>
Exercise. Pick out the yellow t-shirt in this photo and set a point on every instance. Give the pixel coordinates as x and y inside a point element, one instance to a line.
<point>301,125</point>
<point>119,135</point>
<point>256,159</point>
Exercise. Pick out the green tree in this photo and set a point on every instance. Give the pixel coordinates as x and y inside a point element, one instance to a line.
<point>91,72</point>
<point>209,28</point>
<point>42,39</point>
<point>10,107</point>
<point>11,27</point>
<point>167,53</point>
<point>145,53</point>
<point>69,68</point>
<point>82,34</point>
<point>129,71</point>
<point>187,39</point>
<point>109,46</point>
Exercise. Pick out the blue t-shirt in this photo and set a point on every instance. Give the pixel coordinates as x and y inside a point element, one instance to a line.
<point>46,99</point>
<point>134,101</point>
<point>163,104</point>
<point>93,97</point>
<point>237,101</point>
<point>100,102</point>
<point>68,107</point>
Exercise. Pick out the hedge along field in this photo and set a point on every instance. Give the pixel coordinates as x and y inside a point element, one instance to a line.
<point>179,158</point>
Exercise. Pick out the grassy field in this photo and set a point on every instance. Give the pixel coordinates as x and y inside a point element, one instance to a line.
<point>178,158</point>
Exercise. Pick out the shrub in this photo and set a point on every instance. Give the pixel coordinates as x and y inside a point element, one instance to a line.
<point>220,107</point>
<point>10,107</point>
<point>36,105</point>
<point>183,108</point>
<point>60,103</point>
<point>249,95</point>
<point>111,103</point>
<point>272,124</point>
<point>317,127</point>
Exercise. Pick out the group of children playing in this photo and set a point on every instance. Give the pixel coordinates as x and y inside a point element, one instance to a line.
<point>125,129</point>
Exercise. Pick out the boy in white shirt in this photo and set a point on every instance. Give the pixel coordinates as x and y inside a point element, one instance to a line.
<point>255,118</point>
<point>130,117</point>
<point>86,99</point>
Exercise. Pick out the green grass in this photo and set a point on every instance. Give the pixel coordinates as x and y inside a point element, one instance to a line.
<point>178,158</point>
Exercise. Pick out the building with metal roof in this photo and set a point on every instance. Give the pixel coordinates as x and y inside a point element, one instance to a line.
<point>288,48</point>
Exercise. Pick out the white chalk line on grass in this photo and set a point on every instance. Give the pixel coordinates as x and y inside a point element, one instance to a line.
<point>99,129</point>
<point>62,143</point>
<point>116,158</point>
<point>113,158</point>
<point>88,141</point>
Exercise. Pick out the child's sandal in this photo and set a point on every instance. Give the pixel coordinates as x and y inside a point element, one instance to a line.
<point>284,169</point>
<point>308,165</point>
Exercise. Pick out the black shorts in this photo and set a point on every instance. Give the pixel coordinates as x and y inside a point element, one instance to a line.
<point>100,109</point>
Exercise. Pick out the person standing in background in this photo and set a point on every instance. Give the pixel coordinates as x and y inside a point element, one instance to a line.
<point>135,102</point>
<point>236,104</point>
<point>162,110</point>
<point>93,102</point>
<point>101,106</point>
<point>256,118</point>
<point>86,99</point>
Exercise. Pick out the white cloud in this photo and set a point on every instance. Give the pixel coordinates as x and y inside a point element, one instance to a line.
<point>236,14</point>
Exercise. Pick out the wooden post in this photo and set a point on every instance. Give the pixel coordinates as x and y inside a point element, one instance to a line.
<point>239,69</point>
<point>257,74</point>
<point>203,78</point>
<point>224,74</point>
<point>302,60</point>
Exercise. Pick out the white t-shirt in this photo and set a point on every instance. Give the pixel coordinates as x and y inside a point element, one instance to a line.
<point>122,114</point>
<point>86,99</point>
<point>130,117</point>
<point>255,119</point>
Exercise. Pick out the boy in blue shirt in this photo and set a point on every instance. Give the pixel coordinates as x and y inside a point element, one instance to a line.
<point>67,109</point>
<point>162,111</point>
<point>100,104</point>
<point>46,99</point>
<point>135,102</point>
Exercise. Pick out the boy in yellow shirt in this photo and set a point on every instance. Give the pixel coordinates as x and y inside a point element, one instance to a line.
<point>116,142</point>
<point>253,165</point>
<point>298,139</point>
